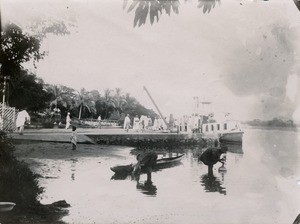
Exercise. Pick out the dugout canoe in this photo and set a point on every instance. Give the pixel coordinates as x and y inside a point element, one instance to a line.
<point>161,162</point>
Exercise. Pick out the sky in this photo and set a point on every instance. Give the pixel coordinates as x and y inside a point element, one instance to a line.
<point>243,56</point>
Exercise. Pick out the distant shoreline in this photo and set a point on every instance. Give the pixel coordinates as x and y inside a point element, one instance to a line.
<point>264,127</point>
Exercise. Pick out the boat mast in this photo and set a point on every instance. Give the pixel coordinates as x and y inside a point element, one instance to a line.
<point>144,87</point>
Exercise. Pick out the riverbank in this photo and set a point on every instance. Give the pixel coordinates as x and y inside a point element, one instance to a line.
<point>39,157</point>
<point>147,139</point>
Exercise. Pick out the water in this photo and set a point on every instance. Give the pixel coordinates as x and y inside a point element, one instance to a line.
<point>261,185</point>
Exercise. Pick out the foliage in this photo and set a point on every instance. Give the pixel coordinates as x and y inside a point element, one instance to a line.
<point>62,98</point>
<point>108,102</point>
<point>17,183</point>
<point>207,5</point>
<point>115,115</point>
<point>153,8</point>
<point>29,93</point>
<point>84,100</point>
<point>119,100</point>
<point>275,122</point>
<point>17,47</point>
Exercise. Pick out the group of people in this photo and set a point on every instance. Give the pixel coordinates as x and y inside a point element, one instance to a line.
<point>138,123</point>
<point>144,122</point>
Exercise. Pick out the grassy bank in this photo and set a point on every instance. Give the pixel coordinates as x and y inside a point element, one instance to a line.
<point>19,185</point>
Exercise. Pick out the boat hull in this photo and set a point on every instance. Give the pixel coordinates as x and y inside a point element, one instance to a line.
<point>6,206</point>
<point>236,137</point>
<point>160,163</point>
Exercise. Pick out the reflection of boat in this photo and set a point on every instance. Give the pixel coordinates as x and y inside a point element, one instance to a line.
<point>160,163</point>
<point>6,206</point>
<point>234,148</point>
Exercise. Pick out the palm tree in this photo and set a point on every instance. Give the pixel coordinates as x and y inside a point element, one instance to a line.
<point>119,100</point>
<point>62,96</point>
<point>84,99</point>
<point>108,100</point>
<point>130,105</point>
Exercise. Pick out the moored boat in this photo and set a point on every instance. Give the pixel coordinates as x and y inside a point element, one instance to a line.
<point>168,160</point>
<point>228,131</point>
<point>211,125</point>
<point>6,206</point>
<point>161,162</point>
<point>233,137</point>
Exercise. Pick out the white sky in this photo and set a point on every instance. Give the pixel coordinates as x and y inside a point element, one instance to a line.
<point>241,57</point>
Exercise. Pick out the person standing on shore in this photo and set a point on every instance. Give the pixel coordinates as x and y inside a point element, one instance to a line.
<point>74,138</point>
<point>22,117</point>
<point>136,121</point>
<point>68,120</point>
<point>126,123</point>
<point>99,121</point>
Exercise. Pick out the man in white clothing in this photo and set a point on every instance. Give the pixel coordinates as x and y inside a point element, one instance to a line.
<point>22,117</point>
<point>126,123</point>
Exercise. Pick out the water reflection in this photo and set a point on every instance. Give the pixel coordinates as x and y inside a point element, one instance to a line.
<point>234,148</point>
<point>154,9</point>
<point>212,183</point>
<point>120,176</point>
<point>254,182</point>
<point>147,187</point>
<point>73,168</point>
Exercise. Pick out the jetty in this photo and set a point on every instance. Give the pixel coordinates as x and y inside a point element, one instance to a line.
<point>114,136</point>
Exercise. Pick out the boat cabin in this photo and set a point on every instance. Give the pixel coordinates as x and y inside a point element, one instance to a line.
<point>221,127</point>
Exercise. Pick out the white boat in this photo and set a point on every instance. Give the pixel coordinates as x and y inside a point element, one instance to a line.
<point>6,206</point>
<point>228,131</point>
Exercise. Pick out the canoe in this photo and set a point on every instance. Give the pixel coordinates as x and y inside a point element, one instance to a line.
<point>6,206</point>
<point>122,169</point>
<point>161,162</point>
<point>168,160</point>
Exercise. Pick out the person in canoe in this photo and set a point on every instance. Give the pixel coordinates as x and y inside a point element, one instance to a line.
<point>213,155</point>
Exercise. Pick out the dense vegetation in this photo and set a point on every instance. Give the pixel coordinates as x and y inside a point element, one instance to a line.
<point>25,90</point>
<point>275,122</point>
<point>112,104</point>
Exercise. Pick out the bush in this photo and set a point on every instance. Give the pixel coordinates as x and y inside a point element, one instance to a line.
<point>17,183</point>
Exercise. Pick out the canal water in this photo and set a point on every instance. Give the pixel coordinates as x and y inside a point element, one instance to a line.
<point>261,185</point>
